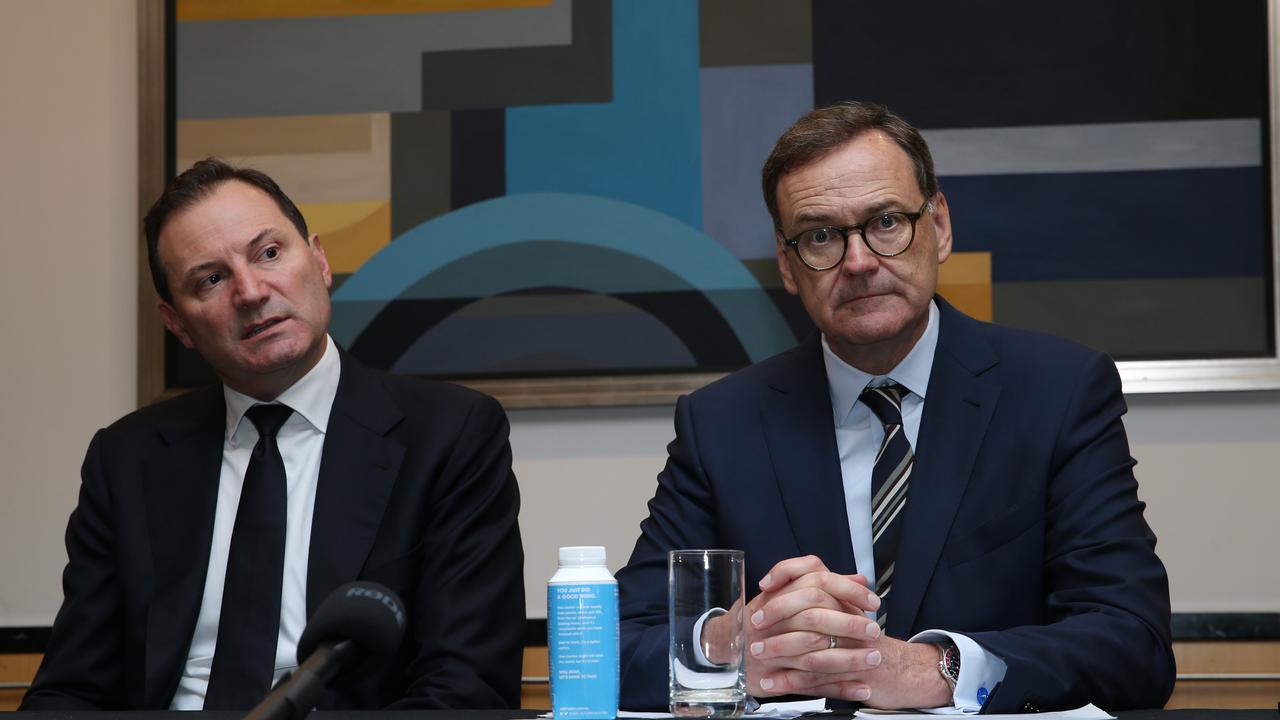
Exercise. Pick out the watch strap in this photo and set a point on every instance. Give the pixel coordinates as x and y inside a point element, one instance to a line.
<point>949,664</point>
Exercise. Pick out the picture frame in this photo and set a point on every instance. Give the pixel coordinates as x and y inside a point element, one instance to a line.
<point>969,282</point>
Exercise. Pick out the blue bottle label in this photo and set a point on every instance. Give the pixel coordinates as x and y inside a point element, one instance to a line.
<point>582,634</point>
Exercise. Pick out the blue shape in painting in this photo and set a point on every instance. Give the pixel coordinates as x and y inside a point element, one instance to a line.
<point>693,258</point>
<point>1053,227</point>
<point>643,147</point>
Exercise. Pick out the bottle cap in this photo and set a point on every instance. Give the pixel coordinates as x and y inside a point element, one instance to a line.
<point>582,555</point>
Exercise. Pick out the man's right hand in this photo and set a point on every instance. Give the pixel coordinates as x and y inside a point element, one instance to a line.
<point>791,625</point>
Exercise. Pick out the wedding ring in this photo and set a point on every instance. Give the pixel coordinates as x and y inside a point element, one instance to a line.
<point>831,642</point>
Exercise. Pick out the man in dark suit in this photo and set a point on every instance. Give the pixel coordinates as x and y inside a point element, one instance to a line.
<point>201,521</point>
<point>980,473</point>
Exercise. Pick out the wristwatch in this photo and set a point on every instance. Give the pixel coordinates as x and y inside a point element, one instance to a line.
<point>949,663</point>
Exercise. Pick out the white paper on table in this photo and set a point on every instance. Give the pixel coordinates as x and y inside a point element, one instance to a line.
<point>773,711</point>
<point>787,710</point>
<point>1088,712</point>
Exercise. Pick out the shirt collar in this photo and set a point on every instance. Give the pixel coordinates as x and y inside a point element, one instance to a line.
<point>847,382</point>
<point>311,397</point>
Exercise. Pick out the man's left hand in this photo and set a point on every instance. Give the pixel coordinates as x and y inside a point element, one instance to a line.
<point>907,676</point>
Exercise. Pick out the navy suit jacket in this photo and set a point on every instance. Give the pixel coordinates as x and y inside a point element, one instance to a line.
<point>1023,529</point>
<point>415,492</point>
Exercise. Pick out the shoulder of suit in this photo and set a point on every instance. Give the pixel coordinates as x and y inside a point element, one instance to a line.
<point>1032,363</point>
<point>1035,347</point>
<point>187,409</point>
<point>1017,350</point>
<point>759,377</point>
<point>416,394</point>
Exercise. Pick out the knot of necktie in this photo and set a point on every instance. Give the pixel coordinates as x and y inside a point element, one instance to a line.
<point>886,402</point>
<point>269,418</point>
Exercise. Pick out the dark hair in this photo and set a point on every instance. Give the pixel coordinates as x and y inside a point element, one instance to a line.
<point>193,185</point>
<point>825,129</point>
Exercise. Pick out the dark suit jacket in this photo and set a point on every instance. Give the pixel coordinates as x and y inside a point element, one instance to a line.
<point>1023,528</point>
<point>415,492</point>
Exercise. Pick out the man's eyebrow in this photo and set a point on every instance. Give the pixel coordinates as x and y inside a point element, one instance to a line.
<point>805,217</point>
<point>882,206</point>
<point>266,234</point>
<point>876,208</point>
<point>202,268</point>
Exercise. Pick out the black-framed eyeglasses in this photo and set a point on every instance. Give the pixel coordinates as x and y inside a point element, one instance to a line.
<point>886,235</point>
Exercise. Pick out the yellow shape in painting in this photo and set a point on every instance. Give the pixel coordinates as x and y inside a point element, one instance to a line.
<point>189,10</point>
<point>965,281</point>
<point>351,232</point>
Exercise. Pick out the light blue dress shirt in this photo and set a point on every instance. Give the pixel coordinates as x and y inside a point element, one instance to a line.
<point>858,437</point>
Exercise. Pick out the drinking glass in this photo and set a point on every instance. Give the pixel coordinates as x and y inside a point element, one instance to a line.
<point>708,633</point>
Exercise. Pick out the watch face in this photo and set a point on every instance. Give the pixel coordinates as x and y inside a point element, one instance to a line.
<point>951,662</point>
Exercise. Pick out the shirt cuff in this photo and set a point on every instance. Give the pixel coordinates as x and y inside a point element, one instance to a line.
<point>980,672</point>
<point>698,656</point>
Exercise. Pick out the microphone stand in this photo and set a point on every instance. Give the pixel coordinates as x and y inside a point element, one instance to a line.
<point>298,693</point>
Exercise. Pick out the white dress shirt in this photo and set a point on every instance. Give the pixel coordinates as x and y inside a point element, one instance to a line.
<point>301,441</point>
<point>858,437</point>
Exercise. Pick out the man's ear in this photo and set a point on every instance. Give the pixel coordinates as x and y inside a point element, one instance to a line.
<point>174,323</point>
<point>318,250</point>
<point>784,266</point>
<point>941,217</point>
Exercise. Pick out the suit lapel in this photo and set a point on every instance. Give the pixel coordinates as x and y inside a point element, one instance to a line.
<point>181,492</point>
<point>800,433</point>
<point>358,469</point>
<point>958,407</point>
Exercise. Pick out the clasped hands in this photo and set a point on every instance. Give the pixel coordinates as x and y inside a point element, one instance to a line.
<point>807,634</point>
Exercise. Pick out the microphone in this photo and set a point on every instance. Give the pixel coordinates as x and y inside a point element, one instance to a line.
<point>353,632</point>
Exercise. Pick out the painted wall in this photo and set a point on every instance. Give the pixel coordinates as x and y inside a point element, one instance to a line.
<point>68,189</point>
<point>1207,463</point>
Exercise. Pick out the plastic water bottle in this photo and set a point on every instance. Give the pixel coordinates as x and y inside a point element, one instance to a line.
<point>582,636</point>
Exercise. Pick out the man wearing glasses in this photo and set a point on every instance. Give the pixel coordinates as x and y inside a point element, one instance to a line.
<point>936,512</point>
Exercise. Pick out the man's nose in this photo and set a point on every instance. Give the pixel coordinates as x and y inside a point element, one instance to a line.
<point>858,258</point>
<point>251,290</point>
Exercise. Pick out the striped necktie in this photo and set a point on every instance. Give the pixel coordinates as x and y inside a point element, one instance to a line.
<point>889,481</point>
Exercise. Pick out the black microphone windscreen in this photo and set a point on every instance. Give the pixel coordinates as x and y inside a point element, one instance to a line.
<point>366,613</point>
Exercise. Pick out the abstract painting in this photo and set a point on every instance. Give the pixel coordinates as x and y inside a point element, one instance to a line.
<point>571,188</point>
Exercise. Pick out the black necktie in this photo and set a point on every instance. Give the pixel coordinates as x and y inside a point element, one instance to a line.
<point>889,481</point>
<point>249,625</point>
